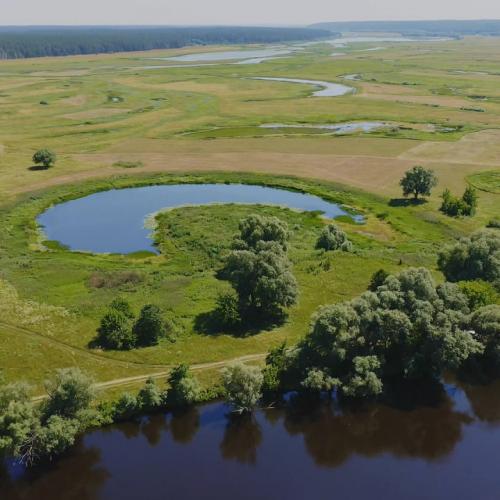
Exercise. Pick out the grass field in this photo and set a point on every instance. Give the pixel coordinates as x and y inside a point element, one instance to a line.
<point>201,124</point>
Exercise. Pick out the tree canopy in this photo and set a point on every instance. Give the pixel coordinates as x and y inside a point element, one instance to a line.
<point>418,182</point>
<point>409,328</point>
<point>473,257</point>
<point>332,237</point>
<point>259,269</point>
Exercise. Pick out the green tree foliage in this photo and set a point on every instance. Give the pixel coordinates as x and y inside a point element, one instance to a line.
<point>150,327</point>
<point>32,433</point>
<point>470,200</point>
<point>243,386</point>
<point>408,328</point>
<point>256,228</point>
<point>418,182</point>
<point>378,279</point>
<point>455,207</point>
<point>479,293</point>
<point>123,306</point>
<point>126,407</point>
<point>184,388</point>
<point>19,42</point>
<point>70,392</point>
<point>471,258</point>
<point>227,312</point>
<point>259,270</point>
<point>319,381</point>
<point>18,418</point>
<point>150,396</point>
<point>44,157</point>
<point>115,330</point>
<point>333,238</point>
<point>485,322</point>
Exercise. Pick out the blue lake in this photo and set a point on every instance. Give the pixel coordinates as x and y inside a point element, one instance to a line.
<point>114,221</point>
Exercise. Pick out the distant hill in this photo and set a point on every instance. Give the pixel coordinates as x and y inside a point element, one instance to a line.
<point>39,41</point>
<point>417,28</point>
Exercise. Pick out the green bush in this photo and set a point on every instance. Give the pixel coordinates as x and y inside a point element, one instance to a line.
<point>333,238</point>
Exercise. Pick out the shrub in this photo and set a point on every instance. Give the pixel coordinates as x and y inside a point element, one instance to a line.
<point>454,206</point>
<point>333,238</point>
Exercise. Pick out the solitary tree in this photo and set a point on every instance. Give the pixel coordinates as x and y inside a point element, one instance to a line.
<point>115,331</point>
<point>418,181</point>
<point>44,157</point>
<point>243,385</point>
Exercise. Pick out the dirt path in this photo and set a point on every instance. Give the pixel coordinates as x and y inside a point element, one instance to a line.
<point>119,382</point>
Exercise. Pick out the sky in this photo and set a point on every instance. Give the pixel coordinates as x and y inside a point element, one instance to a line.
<point>237,12</point>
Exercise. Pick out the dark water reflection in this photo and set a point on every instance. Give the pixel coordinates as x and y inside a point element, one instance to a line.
<point>445,447</point>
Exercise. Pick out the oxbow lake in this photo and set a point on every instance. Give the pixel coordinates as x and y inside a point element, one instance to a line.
<point>114,221</point>
<point>445,447</point>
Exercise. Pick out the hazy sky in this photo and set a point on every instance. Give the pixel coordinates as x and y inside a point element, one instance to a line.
<point>277,12</point>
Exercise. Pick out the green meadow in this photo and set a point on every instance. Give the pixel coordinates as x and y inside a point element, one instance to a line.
<point>114,123</point>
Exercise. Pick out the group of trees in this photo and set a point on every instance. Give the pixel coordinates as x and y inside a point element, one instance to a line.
<point>407,329</point>
<point>454,206</point>
<point>419,182</point>
<point>33,432</point>
<point>19,42</point>
<point>259,271</point>
<point>121,330</point>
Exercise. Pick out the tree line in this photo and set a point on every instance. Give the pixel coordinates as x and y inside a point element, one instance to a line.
<point>23,42</point>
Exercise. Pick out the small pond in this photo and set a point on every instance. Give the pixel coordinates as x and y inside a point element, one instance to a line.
<point>336,128</point>
<point>114,221</point>
<point>328,89</point>
<point>446,447</point>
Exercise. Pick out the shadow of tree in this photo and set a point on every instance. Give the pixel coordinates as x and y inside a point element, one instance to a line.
<point>406,202</point>
<point>209,323</point>
<point>35,168</point>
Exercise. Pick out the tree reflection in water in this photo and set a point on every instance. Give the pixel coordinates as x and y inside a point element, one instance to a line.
<point>242,437</point>
<point>184,425</point>
<point>79,474</point>
<point>333,434</point>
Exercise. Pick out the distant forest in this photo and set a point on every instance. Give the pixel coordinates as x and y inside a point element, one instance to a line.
<point>22,42</point>
<point>418,28</point>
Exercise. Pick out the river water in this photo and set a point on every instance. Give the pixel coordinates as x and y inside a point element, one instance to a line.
<point>445,447</point>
